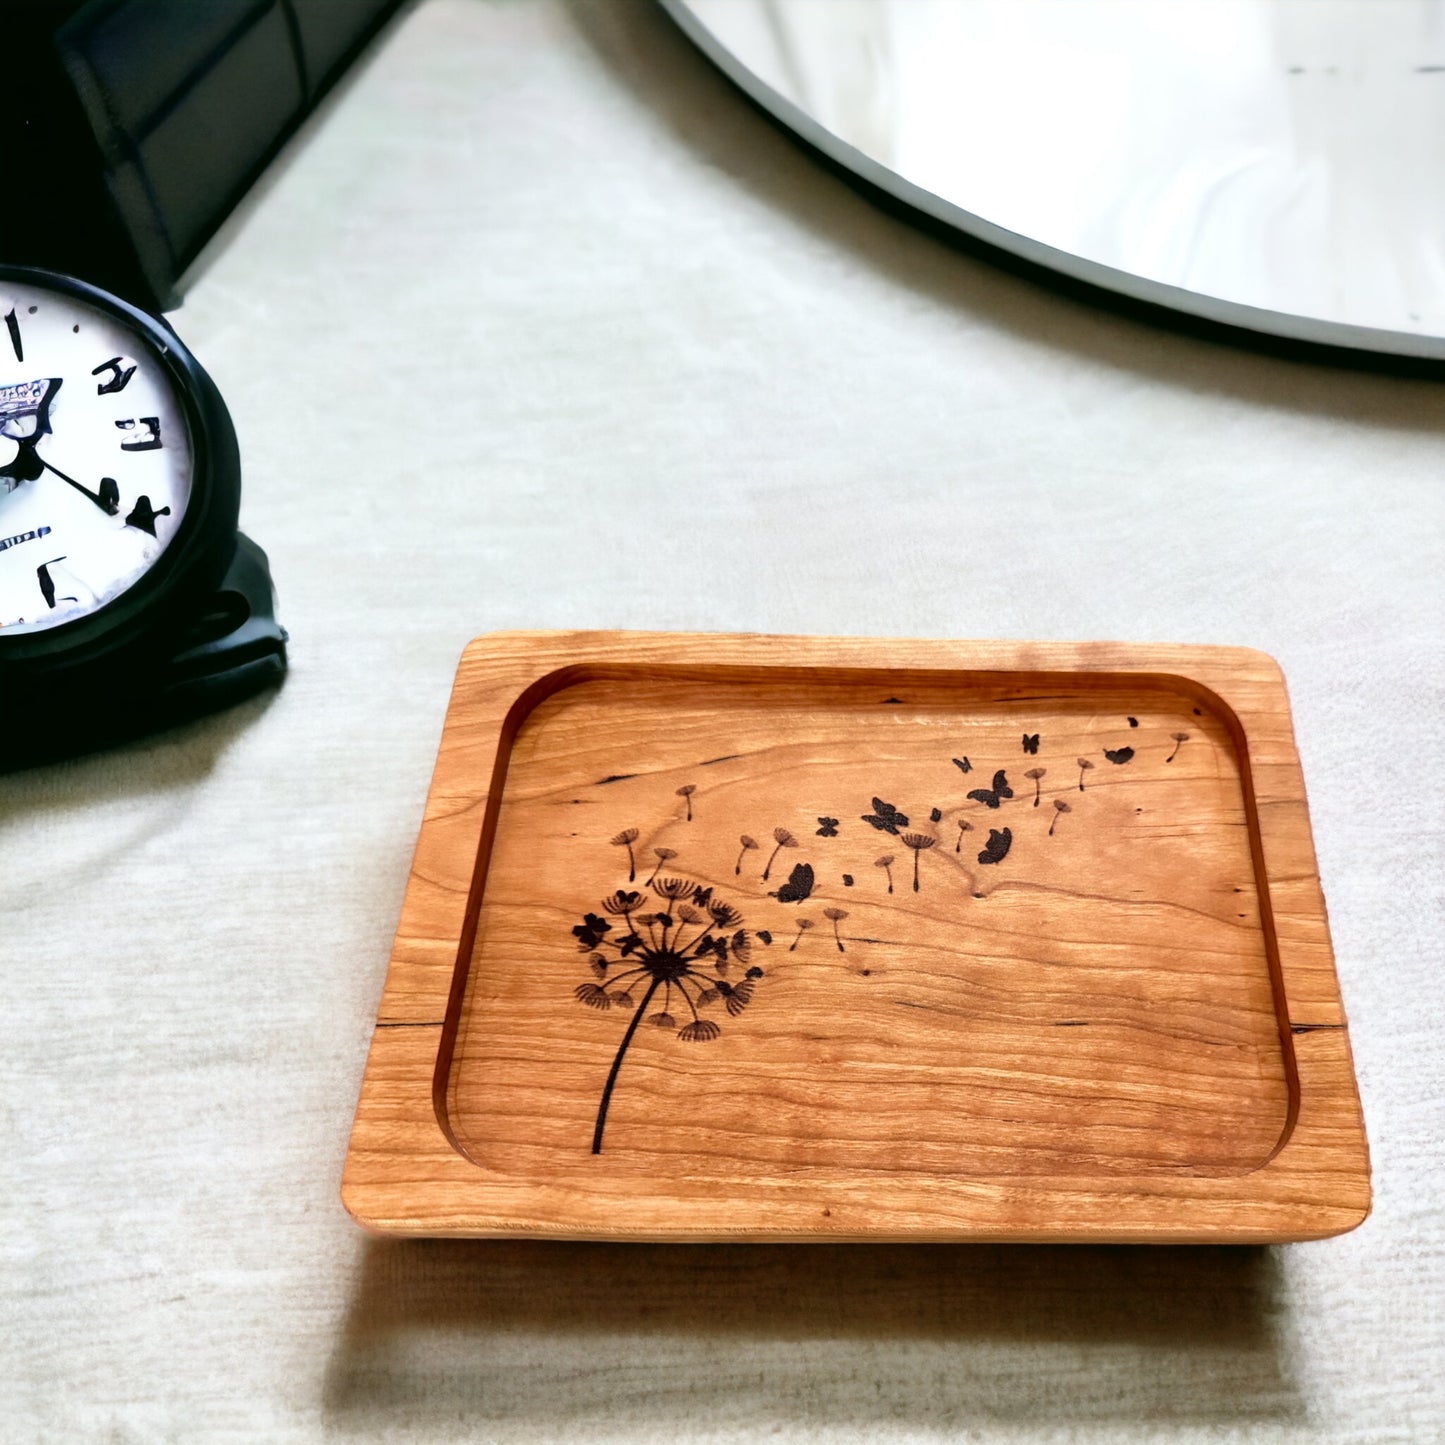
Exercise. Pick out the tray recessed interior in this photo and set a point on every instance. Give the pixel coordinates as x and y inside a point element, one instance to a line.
<point>1077,981</point>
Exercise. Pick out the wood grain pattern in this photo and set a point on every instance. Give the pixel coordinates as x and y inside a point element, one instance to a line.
<point>1097,1002</point>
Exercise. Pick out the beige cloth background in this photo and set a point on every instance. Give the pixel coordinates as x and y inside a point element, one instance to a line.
<point>539,325</point>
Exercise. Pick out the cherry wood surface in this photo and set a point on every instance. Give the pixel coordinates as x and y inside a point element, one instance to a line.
<point>730,937</point>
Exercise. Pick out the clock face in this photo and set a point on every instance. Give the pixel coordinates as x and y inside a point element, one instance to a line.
<point>95,458</point>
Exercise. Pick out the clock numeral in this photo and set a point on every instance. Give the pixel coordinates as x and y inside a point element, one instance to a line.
<point>120,373</point>
<point>47,582</point>
<point>13,327</point>
<point>150,438</point>
<point>143,515</point>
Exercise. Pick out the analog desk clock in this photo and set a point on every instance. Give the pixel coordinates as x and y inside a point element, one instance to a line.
<point>128,599</point>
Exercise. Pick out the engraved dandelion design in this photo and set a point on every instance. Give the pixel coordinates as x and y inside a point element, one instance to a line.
<point>1179,740</point>
<point>749,844</point>
<point>783,839</point>
<point>1060,807</point>
<point>1034,775</point>
<point>916,843</point>
<point>1085,766</point>
<point>663,855</point>
<point>835,916</point>
<point>681,941</point>
<point>886,864</point>
<point>625,839</point>
<point>685,792</point>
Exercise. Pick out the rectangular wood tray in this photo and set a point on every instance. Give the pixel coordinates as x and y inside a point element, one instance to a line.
<point>782,938</point>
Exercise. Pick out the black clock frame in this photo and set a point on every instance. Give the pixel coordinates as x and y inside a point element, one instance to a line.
<point>158,606</point>
<point>195,633</point>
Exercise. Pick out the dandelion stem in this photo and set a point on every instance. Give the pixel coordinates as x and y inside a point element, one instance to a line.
<point>773,855</point>
<point>617,1064</point>
<point>631,865</point>
<point>837,939</point>
<point>916,852</point>
<point>738,868</point>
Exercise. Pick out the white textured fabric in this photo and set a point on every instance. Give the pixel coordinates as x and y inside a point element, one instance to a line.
<point>539,325</point>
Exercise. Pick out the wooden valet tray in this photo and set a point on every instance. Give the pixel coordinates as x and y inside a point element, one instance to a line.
<point>782,938</point>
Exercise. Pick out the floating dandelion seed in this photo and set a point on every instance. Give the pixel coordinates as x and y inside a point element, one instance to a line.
<point>748,845</point>
<point>1085,766</point>
<point>804,924</point>
<point>918,843</point>
<point>1179,740</point>
<point>686,791</point>
<point>1036,774</point>
<point>679,958</point>
<point>836,916</point>
<point>1060,807</point>
<point>886,864</point>
<point>783,839</point>
<point>625,839</point>
<point>662,855</point>
<point>964,826</point>
<point>724,915</point>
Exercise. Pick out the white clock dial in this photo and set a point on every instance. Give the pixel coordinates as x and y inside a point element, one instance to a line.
<point>95,458</point>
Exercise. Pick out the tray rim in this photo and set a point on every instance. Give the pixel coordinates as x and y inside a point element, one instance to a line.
<point>405,1175</point>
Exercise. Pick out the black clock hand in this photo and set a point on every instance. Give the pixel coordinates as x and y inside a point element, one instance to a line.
<point>107,499</point>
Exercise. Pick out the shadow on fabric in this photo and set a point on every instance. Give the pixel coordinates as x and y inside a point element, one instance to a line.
<point>647,1337</point>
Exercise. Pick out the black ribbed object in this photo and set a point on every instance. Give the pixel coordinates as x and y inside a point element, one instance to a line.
<point>133,127</point>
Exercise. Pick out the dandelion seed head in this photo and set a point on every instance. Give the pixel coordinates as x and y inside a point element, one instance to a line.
<point>687,790</point>
<point>1180,737</point>
<point>918,841</point>
<point>622,901</point>
<point>784,839</point>
<point>837,915</point>
<point>700,1031</point>
<point>886,861</point>
<point>1035,773</point>
<point>663,1021</point>
<point>689,914</point>
<point>592,996</point>
<point>1085,764</point>
<point>804,924</point>
<point>673,888</point>
<point>747,842</point>
<point>1062,806</point>
<point>724,914</point>
<point>627,835</point>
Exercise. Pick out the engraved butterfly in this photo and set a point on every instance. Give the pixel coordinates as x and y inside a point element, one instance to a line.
<point>798,886</point>
<point>886,818</point>
<point>989,797</point>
